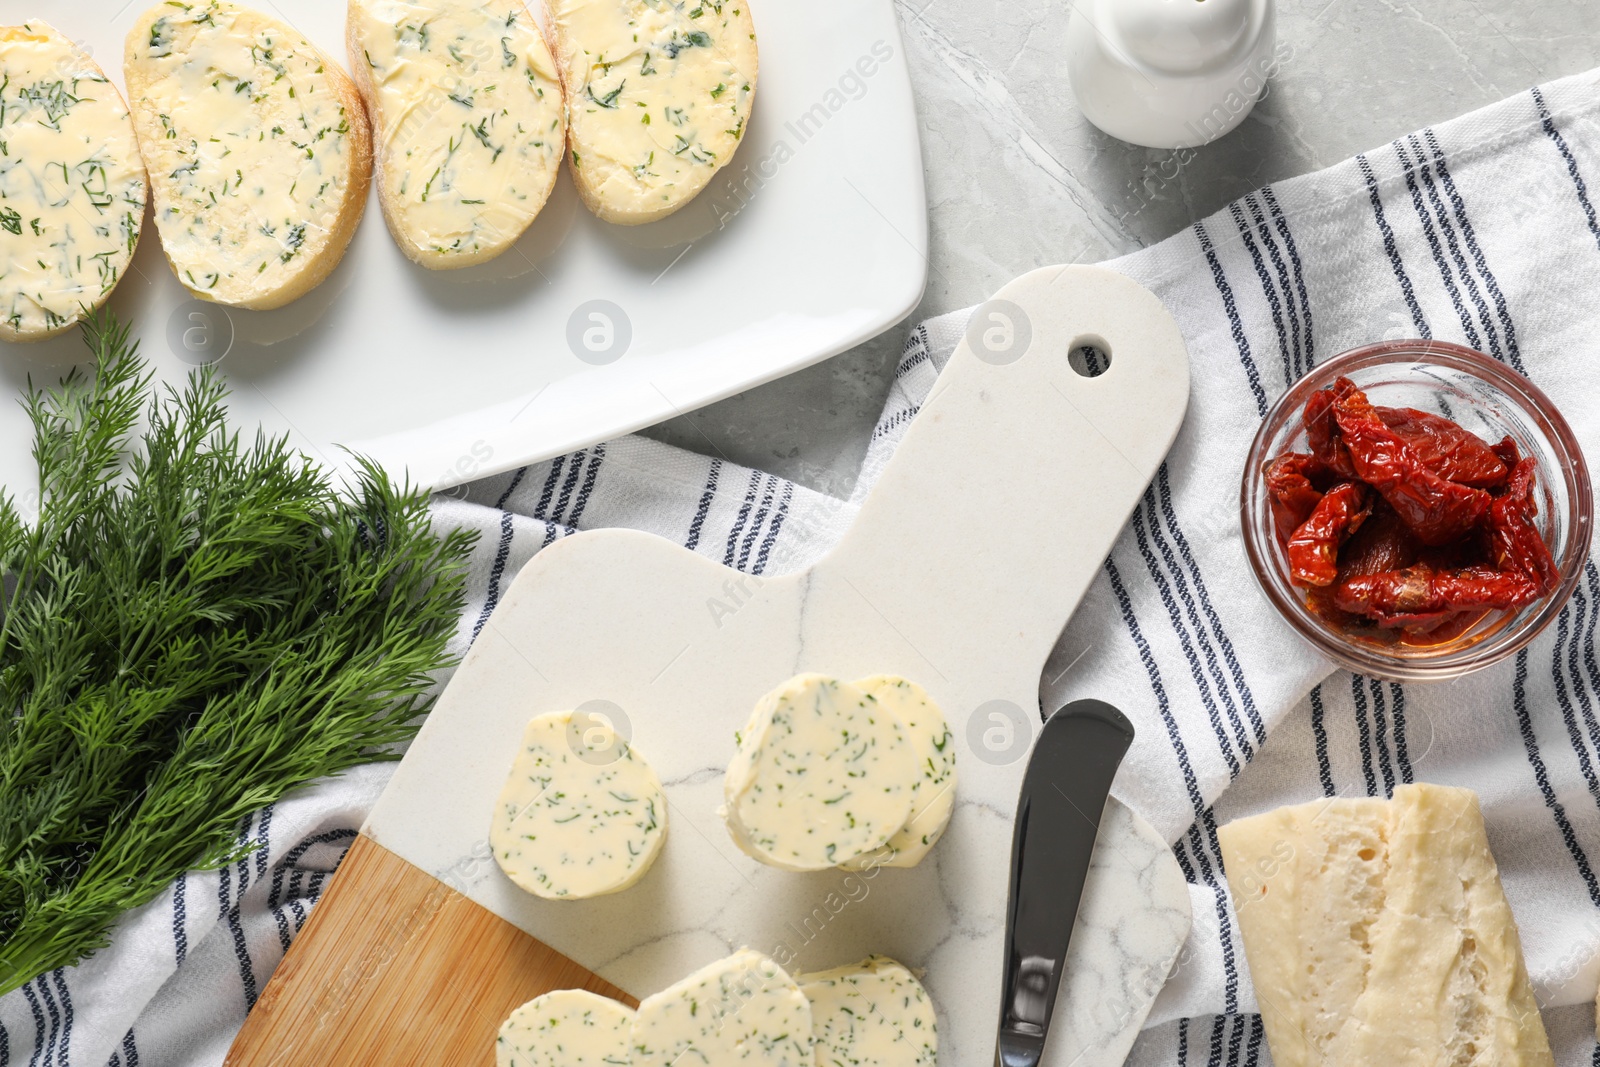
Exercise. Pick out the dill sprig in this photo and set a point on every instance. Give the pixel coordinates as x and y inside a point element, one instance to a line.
<point>192,627</point>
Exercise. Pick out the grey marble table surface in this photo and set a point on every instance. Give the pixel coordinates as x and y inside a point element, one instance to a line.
<point>1017,178</point>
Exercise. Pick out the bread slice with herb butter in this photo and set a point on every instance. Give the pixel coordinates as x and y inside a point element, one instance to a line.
<point>72,184</point>
<point>658,97</point>
<point>258,149</point>
<point>468,122</point>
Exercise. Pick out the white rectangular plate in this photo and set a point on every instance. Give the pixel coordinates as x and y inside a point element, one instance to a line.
<point>812,239</point>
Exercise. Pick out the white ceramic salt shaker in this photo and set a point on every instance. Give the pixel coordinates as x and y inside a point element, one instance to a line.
<point>1170,73</point>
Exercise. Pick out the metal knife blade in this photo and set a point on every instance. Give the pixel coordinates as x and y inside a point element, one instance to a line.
<point>1058,816</point>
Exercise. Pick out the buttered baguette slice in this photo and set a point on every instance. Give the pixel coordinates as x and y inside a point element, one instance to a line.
<point>467,119</point>
<point>1378,935</point>
<point>72,184</point>
<point>258,150</point>
<point>658,95</point>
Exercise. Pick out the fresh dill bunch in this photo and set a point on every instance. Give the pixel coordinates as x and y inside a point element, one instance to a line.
<point>193,626</point>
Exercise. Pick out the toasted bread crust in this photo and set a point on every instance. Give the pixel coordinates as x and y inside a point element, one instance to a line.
<point>589,188</point>
<point>389,204</point>
<point>326,249</point>
<point>26,335</point>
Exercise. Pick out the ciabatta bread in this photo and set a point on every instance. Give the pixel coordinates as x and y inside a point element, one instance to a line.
<point>1378,934</point>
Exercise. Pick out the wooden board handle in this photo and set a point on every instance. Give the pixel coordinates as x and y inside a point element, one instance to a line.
<point>395,967</point>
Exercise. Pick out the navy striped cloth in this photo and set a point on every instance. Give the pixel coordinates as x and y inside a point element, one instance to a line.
<point>1480,231</point>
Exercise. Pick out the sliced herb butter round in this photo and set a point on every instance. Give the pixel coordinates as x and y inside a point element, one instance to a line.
<point>659,94</point>
<point>257,146</point>
<point>823,776</point>
<point>468,121</point>
<point>566,1028</point>
<point>72,184</point>
<point>581,814</point>
<point>871,1014</point>
<point>934,791</point>
<point>742,1011</point>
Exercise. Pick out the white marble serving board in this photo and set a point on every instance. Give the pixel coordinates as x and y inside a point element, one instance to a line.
<point>963,567</point>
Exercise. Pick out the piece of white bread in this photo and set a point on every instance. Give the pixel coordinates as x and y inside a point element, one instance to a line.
<point>72,184</point>
<point>658,97</point>
<point>1378,934</point>
<point>468,122</point>
<point>258,150</point>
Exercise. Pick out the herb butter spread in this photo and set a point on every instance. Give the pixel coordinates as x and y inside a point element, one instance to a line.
<point>871,1014</point>
<point>468,116</point>
<point>934,791</point>
<point>257,149</point>
<point>742,1011</point>
<point>659,95</point>
<point>566,1028</point>
<point>823,776</point>
<point>581,814</point>
<point>72,186</point>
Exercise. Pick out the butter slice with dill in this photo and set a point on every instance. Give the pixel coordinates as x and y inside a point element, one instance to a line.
<point>871,1014</point>
<point>934,789</point>
<point>823,776</point>
<point>741,1011</point>
<point>581,814</point>
<point>565,1028</point>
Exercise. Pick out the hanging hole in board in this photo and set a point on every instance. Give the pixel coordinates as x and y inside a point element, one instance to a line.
<point>1090,356</point>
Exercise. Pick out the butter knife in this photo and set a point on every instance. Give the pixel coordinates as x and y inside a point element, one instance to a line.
<point>1064,794</point>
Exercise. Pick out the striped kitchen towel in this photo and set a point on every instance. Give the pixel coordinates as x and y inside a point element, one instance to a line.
<point>1481,231</point>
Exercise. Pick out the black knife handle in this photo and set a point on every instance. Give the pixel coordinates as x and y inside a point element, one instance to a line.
<point>1064,794</point>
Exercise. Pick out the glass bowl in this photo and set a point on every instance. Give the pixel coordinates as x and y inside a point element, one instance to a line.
<point>1486,397</point>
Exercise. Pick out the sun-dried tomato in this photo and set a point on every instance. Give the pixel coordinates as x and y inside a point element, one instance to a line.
<point>1518,545</point>
<point>1290,490</point>
<point>1322,431</point>
<point>1419,594</point>
<point>1438,510</point>
<point>1313,548</point>
<point>1445,448</point>
<point>1508,453</point>
<point>1383,543</point>
<point>1402,523</point>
